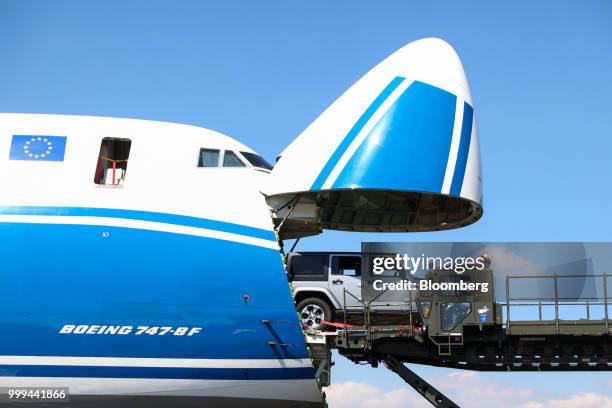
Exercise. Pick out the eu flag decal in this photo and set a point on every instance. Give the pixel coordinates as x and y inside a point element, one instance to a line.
<point>38,148</point>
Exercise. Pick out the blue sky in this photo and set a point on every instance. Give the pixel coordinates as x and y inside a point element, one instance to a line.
<point>540,74</point>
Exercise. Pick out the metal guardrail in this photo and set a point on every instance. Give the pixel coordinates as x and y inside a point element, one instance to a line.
<point>368,327</point>
<point>557,300</point>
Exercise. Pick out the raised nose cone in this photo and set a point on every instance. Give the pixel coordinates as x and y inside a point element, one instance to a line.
<point>398,151</point>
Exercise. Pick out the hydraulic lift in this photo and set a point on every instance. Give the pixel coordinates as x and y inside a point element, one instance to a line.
<point>321,355</point>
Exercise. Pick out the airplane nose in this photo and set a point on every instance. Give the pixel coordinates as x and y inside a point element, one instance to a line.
<point>398,151</point>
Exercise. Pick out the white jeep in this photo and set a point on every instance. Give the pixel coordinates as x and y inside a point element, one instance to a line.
<point>325,284</point>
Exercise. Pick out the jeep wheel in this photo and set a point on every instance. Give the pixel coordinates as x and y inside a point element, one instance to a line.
<point>313,311</point>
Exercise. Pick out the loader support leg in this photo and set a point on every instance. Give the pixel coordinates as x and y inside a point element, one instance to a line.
<point>430,393</point>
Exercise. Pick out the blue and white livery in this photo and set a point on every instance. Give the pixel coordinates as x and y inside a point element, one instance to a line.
<point>398,151</point>
<point>141,261</point>
<point>166,285</point>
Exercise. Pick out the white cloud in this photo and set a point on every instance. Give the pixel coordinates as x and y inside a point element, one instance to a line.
<point>582,400</point>
<point>466,388</point>
<point>351,394</point>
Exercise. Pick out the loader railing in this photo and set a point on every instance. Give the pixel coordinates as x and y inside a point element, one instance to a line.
<point>370,330</point>
<point>583,324</point>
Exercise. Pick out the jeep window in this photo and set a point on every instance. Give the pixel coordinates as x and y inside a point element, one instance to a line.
<point>308,265</point>
<point>346,265</point>
<point>391,273</point>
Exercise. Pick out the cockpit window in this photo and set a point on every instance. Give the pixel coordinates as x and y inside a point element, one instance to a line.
<point>256,160</point>
<point>231,160</point>
<point>208,158</point>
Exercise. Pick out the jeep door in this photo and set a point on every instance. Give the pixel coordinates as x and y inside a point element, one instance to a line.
<point>345,280</point>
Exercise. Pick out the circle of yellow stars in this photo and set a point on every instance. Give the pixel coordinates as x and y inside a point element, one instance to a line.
<point>36,140</point>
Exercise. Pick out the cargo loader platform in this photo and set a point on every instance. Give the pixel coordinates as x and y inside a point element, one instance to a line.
<point>495,342</point>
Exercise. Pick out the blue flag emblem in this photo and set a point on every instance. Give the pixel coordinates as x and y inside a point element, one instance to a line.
<point>38,148</point>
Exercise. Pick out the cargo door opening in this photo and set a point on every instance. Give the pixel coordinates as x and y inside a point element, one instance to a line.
<point>112,161</point>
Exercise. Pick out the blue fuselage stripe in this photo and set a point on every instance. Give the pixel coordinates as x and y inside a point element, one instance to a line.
<point>464,149</point>
<point>157,372</point>
<point>352,134</point>
<point>408,147</point>
<point>55,275</point>
<point>175,219</point>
